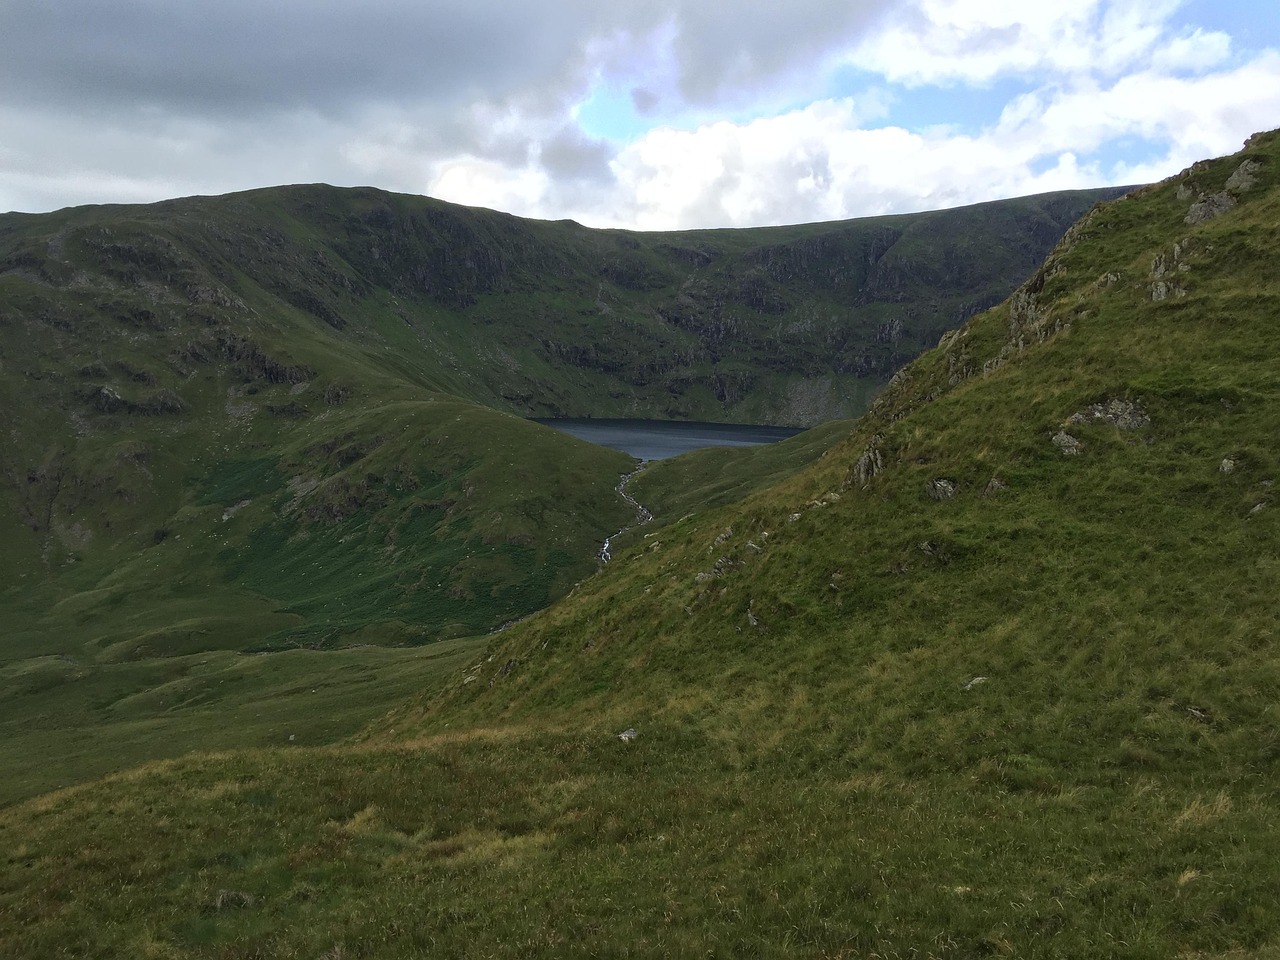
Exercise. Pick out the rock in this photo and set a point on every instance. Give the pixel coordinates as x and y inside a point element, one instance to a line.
<point>1123,414</point>
<point>973,683</point>
<point>1245,177</point>
<point>870,463</point>
<point>794,517</point>
<point>723,566</point>
<point>1068,444</point>
<point>941,489</point>
<point>627,735</point>
<point>235,508</point>
<point>1185,192</point>
<point>1227,465</point>
<point>890,331</point>
<point>1209,207</point>
<point>948,338</point>
<point>106,400</point>
<point>994,486</point>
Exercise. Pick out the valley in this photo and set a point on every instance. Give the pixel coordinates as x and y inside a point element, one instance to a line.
<point>308,651</point>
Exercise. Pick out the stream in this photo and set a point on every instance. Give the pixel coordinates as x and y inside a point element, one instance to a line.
<point>643,516</point>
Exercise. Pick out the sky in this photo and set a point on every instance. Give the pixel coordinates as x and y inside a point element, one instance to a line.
<point>645,114</point>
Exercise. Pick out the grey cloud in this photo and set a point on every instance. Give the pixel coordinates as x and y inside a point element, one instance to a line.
<point>570,155</point>
<point>327,54</point>
<point>238,93</point>
<point>722,56</point>
<point>645,101</point>
<point>246,54</point>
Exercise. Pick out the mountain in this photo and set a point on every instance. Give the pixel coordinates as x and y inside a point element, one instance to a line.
<point>783,324</point>
<point>285,417</point>
<point>993,674</point>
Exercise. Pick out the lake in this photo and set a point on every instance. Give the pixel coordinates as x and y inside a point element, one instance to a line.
<point>660,439</point>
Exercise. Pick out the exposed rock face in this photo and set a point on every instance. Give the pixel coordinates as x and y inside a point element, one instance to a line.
<point>1124,414</point>
<point>867,465</point>
<point>994,487</point>
<point>1245,177</point>
<point>1165,268</point>
<point>1209,207</point>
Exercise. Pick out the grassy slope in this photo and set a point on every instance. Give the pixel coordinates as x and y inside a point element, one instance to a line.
<point>818,771</point>
<point>480,519</point>
<point>716,476</point>
<point>227,430</point>
<point>64,721</point>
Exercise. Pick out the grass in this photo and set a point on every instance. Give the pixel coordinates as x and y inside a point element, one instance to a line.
<point>513,843</point>
<point>67,721</point>
<point>717,476</point>
<point>877,715</point>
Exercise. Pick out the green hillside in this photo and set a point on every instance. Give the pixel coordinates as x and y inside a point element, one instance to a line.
<point>289,419</point>
<point>992,674</point>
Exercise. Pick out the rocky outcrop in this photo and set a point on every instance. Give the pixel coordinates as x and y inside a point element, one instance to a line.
<point>869,463</point>
<point>1123,414</point>
<point>1245,176</point>
<point>1167,270</point>
<point>1207,208</point>
<point>941,489</point>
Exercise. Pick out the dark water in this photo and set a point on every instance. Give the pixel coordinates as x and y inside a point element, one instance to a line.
<point>659,439</point>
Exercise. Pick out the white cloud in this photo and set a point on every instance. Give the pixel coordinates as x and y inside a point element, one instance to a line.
<point>1199,116</point>
<point>1198,50</point>
<point>978,41</point>
<point>819,163</point>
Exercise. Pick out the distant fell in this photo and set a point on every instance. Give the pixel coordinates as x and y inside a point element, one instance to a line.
<point>787,325</point>
<point>203,392</point>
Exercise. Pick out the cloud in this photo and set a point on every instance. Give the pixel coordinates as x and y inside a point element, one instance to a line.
<point>978,41</point>
<point>820,162</point>
<point>251,56</point>
<point>330,56</point>
<point>653,113</point>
